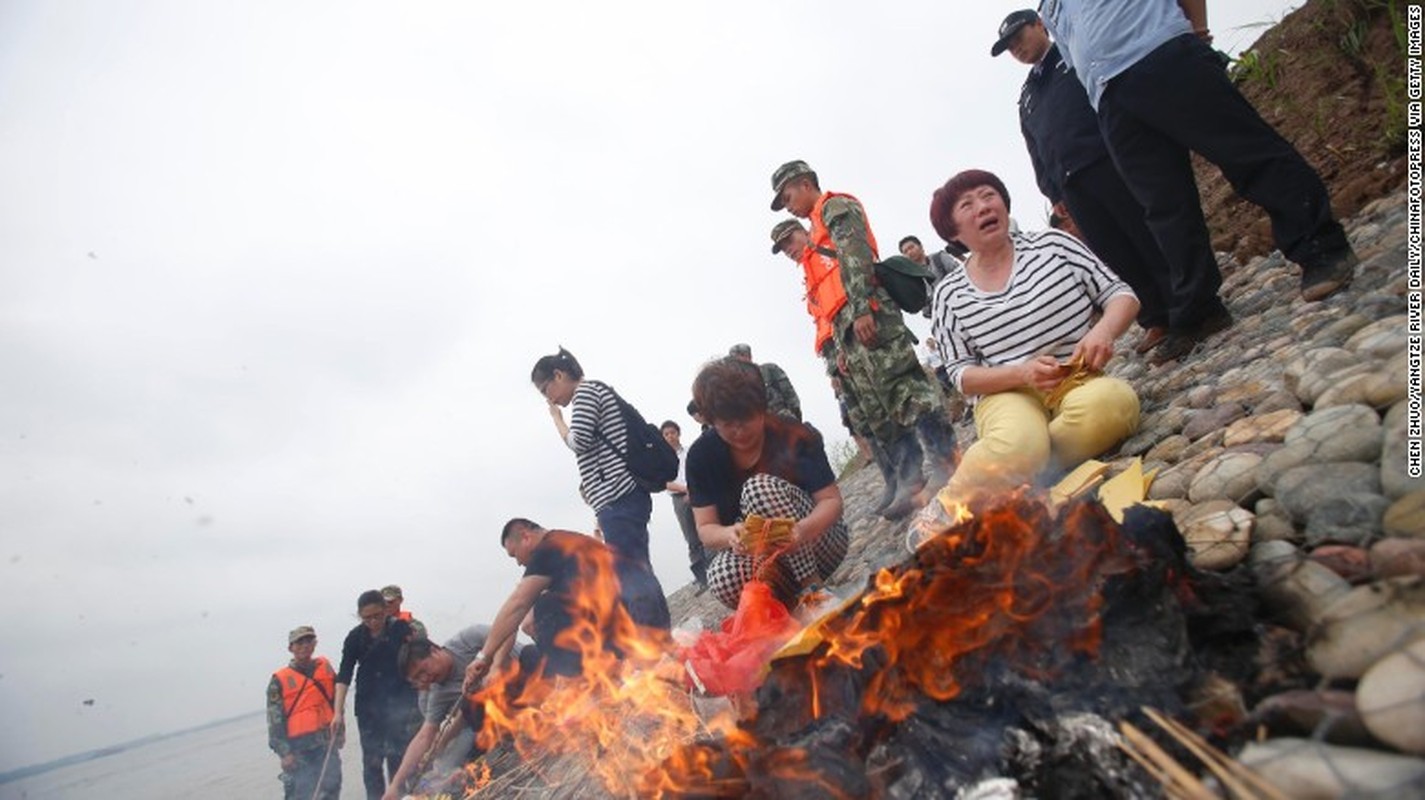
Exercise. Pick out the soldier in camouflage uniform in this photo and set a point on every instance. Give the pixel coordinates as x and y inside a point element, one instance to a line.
<point>875,350</point>
<point>781,397</point>
<point>856,422</point>
<point>299,714</point>
<point>792,240</point>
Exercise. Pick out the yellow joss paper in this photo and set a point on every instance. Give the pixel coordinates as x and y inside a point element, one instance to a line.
<point>1081,481</point>
<point>1123,490</point>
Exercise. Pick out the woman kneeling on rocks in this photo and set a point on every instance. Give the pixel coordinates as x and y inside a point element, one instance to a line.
<point>1018,332</point>
<point>754,463</point>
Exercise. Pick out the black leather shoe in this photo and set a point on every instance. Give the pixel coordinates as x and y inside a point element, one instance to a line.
<point>1329,277</point>
<point>1175,345</point>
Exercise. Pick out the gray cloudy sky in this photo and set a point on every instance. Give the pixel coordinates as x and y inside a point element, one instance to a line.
<point>274,275</point>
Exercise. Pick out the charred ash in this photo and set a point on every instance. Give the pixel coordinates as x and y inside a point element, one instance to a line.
<point>1004,649</point>
<point>996,662</point>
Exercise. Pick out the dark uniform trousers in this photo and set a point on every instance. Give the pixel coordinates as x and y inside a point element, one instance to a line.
<point>1178,98</point>
<point>1112,221</point>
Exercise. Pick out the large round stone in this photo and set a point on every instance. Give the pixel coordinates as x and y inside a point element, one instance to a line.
<point>1406,516</point>
<point>1252,392</point>
<point>1269,427</point>
<point>1302,489</point>
<point>1200,423</point>
<point>1218,534</point>
<point>1317,387</point>
<point>1380,339</point>
<point>1206,447</point>
<point>1340,330</point>
<point>1277,401</point>
<point>1279,461</point>
<point>1378,386</point>
<point>1391,699</point>
<point>1304,769</point>
<point>1297,591</point>
<point>1200,396</point>
<point>1168,450</point>
<point>1309,374</point>
<point>1275,526</point>
<point>1174,481</point>
<point>1364,625</point>
<point>1229,476</point>
<point>1340,433</point>
<point>1353,519</point>
<point>1331,712</point>
<point>1394,465</point>
<point>1394,557</point>
<point>1351,563</point>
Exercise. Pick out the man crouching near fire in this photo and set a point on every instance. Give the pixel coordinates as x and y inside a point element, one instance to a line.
<point>437,672</point>
<point>571,591</point>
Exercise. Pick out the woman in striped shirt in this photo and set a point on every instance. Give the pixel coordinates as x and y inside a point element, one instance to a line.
<point>597,435</point>
<point>1028,312</point>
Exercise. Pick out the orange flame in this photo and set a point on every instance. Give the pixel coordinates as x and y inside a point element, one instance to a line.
<point>1011,582</point>
<point>980,589</point>
<point>624,713</point>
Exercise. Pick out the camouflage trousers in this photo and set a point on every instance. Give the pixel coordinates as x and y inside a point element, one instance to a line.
<point>855,418</point>
<point>890,387</point>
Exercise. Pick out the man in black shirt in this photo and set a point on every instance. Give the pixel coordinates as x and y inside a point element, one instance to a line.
<point>571,586</point>
<point>386,712</point>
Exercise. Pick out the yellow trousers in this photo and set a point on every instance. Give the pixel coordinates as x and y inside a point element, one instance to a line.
<point>1018,435</point>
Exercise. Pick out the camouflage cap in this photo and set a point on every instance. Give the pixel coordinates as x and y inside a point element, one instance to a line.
<point>392,592</point>
<point>782,230</point>
<point>740,350</point>
<point>784,173</point>
<point>301,632</point>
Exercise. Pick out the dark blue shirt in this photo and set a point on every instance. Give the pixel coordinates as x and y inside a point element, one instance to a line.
<point>381,689</point>
<point>1060,127</point>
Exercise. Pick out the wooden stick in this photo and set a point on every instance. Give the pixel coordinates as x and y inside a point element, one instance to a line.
<point>1189,783</point>
<point>1152,769</point>
<point>1230,771</point>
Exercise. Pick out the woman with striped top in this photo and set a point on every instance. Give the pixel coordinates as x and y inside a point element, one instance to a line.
<point>597,435</point>
<point>1028,312</point>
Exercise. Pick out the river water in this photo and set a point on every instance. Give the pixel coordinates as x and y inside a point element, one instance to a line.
<point>225,762</point>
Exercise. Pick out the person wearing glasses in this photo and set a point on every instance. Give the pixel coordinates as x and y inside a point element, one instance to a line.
<point>596,433</point>
<point>751,462</point>
<point>386,712</point>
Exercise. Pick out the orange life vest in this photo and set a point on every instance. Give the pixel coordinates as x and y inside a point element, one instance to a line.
<point>826,293</point>
<point>307,701</point>
<point>817,269</point>
<point>404,616</point>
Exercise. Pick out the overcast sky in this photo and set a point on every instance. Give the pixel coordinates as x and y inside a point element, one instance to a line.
<point>273,277</point>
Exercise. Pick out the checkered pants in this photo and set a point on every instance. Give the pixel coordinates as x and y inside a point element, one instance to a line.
<point>771,497</point>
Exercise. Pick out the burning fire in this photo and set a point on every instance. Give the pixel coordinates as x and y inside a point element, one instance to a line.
<point>1013,586</point>
<point>1009,584</point>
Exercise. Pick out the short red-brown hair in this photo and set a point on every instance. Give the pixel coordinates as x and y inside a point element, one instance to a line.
<point>729,390</point>
<point>942,203</point>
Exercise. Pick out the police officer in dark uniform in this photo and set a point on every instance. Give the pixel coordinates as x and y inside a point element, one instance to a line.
<point>1160,94</point>
<point>1073,169</point>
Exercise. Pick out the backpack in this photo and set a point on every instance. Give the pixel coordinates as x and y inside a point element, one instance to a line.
<point>650,459</point>
<point>904,280</point>
<point>907,282</point>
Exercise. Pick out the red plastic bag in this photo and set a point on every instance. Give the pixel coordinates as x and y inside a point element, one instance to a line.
<point>734,660</point>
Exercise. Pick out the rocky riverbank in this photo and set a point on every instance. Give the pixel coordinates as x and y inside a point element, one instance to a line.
<point>1280,445</point>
